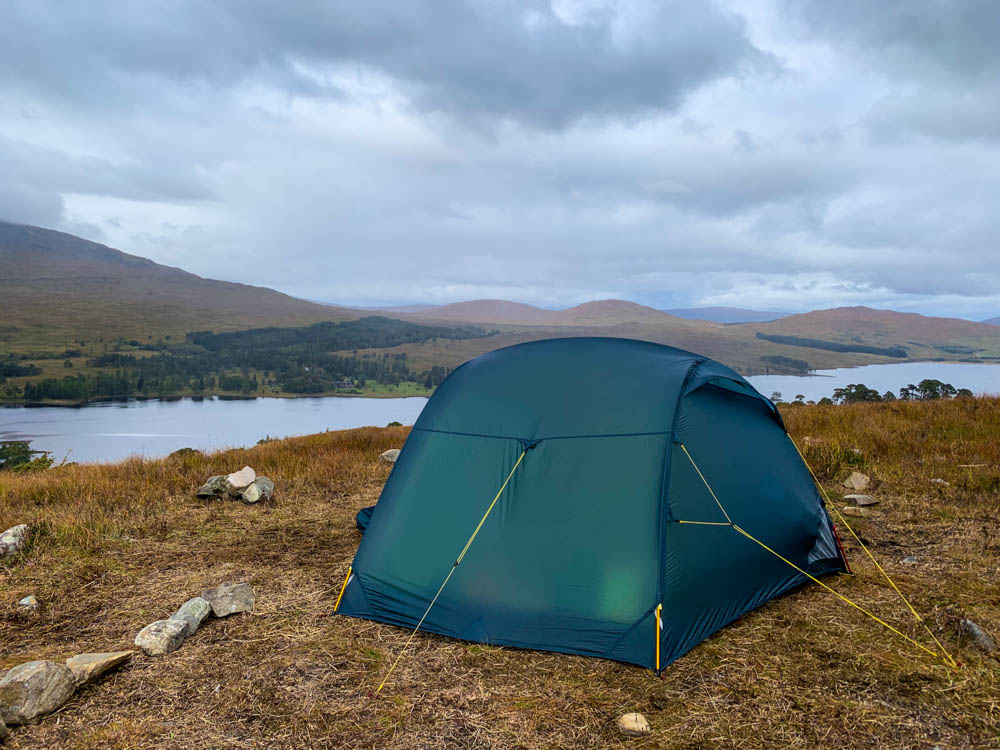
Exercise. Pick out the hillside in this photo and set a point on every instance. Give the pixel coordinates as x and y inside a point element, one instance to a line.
<point>993,321</point>
<point>727,314</point>
<point>117,546</point>
<point>56,287</point>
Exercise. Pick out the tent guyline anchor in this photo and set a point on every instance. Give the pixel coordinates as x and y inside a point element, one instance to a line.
<point>943,655</point>
<point>447,578</point>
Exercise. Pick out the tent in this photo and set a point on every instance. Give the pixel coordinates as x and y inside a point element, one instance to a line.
<point>641,496</point>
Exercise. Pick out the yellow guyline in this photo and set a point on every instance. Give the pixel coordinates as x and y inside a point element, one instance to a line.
<point>948,658</point>
<point>944,655</point>
<point>453,567</point>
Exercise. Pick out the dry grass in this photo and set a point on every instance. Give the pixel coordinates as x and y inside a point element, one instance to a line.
<point>120,545</point>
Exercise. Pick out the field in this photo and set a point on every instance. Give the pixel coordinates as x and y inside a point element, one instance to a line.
<point>118,546</point>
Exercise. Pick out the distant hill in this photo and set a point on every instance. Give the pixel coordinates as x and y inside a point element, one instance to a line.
<point>500,312</point>
<point>993,321</point>
<point>726,314</point>
<point>55,287</point>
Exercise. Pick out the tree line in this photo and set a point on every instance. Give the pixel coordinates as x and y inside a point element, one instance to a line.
<point>311,359</point>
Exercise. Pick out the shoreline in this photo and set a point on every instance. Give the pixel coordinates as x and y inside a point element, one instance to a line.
<point>206,397</point>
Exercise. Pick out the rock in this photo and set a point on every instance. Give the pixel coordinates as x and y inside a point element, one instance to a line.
<point>850,510</point>
<point>979,637</point>
<point>192,613</point>
<point>217,486</point>
<point>29,602</point>
<point>88,667</point>
<point>857,481</point>
<point>633,725</point>
<point>34,689</point>
<point>242,478</point>
<point>3,731</point>
<point>909,559</point>
<point>861,500</point>
<point>389,456</point>
<point>161,637</point>
<point>13,539</point>
<point>229,598</point>
<point>940,482</point>
<point>259,489</point>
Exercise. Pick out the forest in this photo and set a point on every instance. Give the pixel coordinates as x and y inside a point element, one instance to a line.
<point>320,358</point>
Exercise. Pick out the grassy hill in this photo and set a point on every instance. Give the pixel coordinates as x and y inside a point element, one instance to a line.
<point>60,292</point>
<point>727,314</point>
<point>57,288</point>
<point>118,546</point>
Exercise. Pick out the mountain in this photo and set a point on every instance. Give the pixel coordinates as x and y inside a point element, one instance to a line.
<point>55,287</point>
<point>500,312</point>
<point>993,321</point>
<point>726,314</point>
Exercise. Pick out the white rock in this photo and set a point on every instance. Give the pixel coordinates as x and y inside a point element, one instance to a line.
<point>633,725</point>
<point>390,456</point>
<point>230,598</point>
<point>34,689</point>
<point>940,482</point>
<point>13,539</point>
<point>857,481</point>
<point>850,510</point>
<point>192,613</point>
<point>88,667</point>
<point>259,489</point>
<point>161,637</point>
<point>979,636</point>
<point>242,478</point>
<point>28,602</point>
<point>861,500</point>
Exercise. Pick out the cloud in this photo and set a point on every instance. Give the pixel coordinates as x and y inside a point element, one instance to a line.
<point>759,154</point>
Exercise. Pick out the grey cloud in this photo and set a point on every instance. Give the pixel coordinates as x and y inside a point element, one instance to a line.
<point>477,61</point>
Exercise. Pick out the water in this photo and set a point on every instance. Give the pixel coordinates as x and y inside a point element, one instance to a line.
<point>153,428</point>
<point>980,379</point>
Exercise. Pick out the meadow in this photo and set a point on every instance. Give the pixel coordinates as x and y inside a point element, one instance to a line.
<point>117,546</point>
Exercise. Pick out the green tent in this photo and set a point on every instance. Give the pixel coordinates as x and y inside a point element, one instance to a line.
<point>592,448</point>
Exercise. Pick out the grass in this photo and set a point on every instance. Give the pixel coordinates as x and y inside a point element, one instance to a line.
<point>117,546</point>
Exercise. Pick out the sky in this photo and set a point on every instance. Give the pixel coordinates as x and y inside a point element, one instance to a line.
<point>782,155</point>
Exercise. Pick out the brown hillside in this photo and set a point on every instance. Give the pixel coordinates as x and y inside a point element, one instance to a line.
<point>55,287</point>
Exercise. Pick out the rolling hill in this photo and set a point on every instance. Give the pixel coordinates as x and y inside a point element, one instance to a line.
<point>993,321</point>
<point>727,314</point>
<point>55,287</point>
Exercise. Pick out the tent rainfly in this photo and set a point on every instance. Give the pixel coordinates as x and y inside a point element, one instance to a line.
<point>620,472</point>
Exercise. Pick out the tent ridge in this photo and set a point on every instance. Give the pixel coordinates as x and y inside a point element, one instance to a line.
<point>535,440</point>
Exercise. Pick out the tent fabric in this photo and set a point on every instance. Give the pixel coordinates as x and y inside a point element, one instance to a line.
<point>584,542</point>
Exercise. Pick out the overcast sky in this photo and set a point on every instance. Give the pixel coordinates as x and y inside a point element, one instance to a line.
<point>783,155</point>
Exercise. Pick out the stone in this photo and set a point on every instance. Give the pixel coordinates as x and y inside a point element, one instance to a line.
<point>217,486</point>
<point>161,637</point>
<point>88,667</point>
<point>192,613</point>
<point>857,481</point>
<point>29,602</point>
<point>389,456</point>
<point>979,637</point>
<point>13,539</point>
<point>242,478</point>
<point>633,725</point>
<point>850,510</point>
<point>31,690</point>
<point>230,598</point>
<point>259,489</point>
<point>909,559</point>
<point>940,482</point>
<point>861,500</point>
<point>3,730</point>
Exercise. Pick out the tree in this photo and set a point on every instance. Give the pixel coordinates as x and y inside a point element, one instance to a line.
<point>776,396</point>
<point>855,393</point>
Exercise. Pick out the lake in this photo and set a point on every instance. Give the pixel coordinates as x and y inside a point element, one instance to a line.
<point>155,427</point>
<point>111,431</point>
<point>980,379</point>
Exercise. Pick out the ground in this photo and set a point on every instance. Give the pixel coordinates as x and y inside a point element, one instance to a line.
<point>118,546</point>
